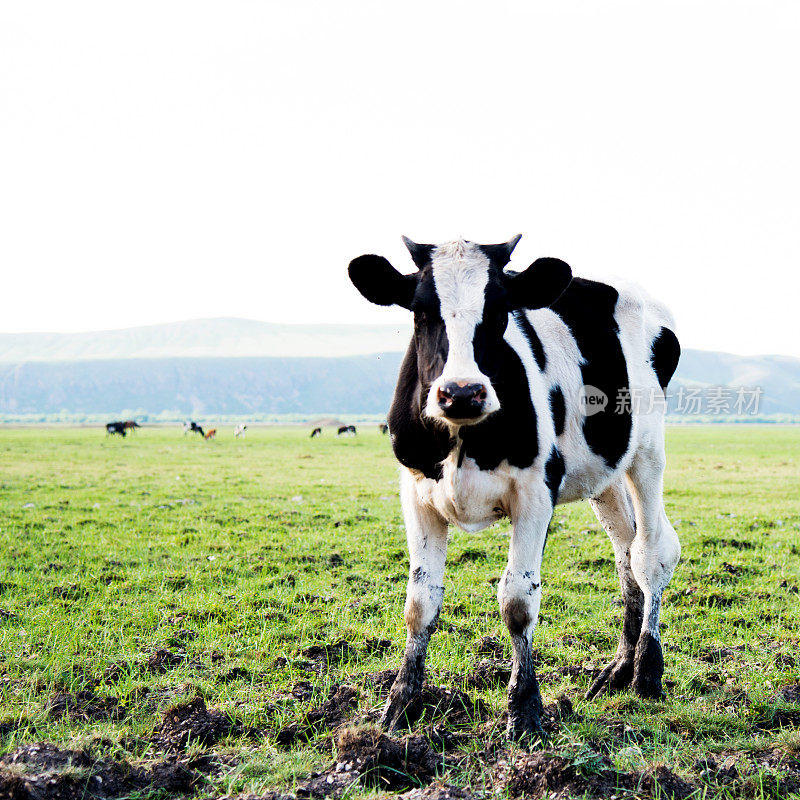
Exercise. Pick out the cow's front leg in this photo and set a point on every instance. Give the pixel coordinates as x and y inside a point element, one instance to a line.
<point>519,595</point>
<point>426,532</point>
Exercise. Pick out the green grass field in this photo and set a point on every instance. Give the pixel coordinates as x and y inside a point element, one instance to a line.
<point>267,575</point>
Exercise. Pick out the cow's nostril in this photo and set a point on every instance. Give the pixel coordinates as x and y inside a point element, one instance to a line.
<point>461,399</point>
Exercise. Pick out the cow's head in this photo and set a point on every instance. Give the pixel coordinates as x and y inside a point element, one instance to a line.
<point>461,297</point>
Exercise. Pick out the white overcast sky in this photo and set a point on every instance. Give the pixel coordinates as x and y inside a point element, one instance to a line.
<point>173,160</point>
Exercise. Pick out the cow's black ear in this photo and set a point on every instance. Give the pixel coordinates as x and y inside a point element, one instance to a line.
<point>540,285</point>
<point>380,282</point>
<point>500,254</point>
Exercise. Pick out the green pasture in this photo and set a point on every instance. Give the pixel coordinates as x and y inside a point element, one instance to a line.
<point>233,557</point>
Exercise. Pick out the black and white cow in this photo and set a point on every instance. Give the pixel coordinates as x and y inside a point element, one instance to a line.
<point>116,427</point>
<point>346,430</point>
<point>490,419</point>
<point>190,426</point>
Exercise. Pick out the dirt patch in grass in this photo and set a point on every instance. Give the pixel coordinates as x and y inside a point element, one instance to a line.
<point>450,705</point>
<point>770,719</point>
<point>234,674</point>
<point>85,705</point>
<point>375,760</point>
<point>338,708</point>
<point>489,646</point>
<point>440,791</point>
<point>323,656</point>
<point>47,772</point>
<point>159,661</point>
<point>545,774</point>
<point>192,722</point>
<point>381,681</point>
<point>489,674</point>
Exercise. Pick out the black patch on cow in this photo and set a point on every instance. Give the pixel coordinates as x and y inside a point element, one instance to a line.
<point>587,307</point>
<point>558,409</point>
<point>665,351</point>
<point>534,342</point>
<point>554,471</point>
<point>417,443</point>
<point>511,432</point>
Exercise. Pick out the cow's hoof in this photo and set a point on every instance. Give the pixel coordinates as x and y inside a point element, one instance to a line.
<point>395,716</point>
<point>648,667</point>
<point>526,731</point>
<point>614,677</point>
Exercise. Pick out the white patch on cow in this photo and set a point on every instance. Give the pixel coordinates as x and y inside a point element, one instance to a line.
<point>460,274</point>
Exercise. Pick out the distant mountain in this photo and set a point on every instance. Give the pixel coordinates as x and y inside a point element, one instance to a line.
<point>233,366</point>
<point>210,338</point>
<point>201,386</point>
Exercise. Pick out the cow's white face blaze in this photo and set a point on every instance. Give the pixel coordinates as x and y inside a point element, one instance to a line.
<point>460,275</point>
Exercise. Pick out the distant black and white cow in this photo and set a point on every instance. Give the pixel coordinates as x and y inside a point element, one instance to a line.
<point>346,430</point>
<point>240,430</point>
<point>116,427</point>
<point>511,399</point>
<point>316,432</point>
<point>192,427</point>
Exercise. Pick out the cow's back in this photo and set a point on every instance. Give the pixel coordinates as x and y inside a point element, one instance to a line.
<point>613,344</point>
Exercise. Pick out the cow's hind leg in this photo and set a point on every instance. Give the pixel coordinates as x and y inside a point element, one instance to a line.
<point>614,509</point>
<point>654,554</point>
<point>519,595</point>
<point>426,532</point>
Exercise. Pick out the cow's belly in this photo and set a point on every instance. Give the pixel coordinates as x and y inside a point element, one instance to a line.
<point>468,497</point>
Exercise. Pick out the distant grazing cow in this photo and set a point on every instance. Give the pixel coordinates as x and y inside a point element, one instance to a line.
<point>239,430</point>
<point>346,430</point>
<point>517,393</point>
<point>316,432</point>
<point>383,428</point>
<point>115,427</point>
<point>192,427</point>
<point>131,425</point>
<point>211,433</point>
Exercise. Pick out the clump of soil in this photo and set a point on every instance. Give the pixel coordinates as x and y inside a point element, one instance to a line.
<point>381,681</point>
<point>439,791</point>
<point>113,672</point>
<point>555,713</point>
<point>191,722</point>
<point>46,772</point>
<point>538,774</point>
<point>545,774</point>
<point>489,646</point>
<point>162,659</point>
<point>377,646</point>
<point>329,653</point>
<point>770,720</point>
<point>340,705</point>
<point>489,674</point>
<point>455,706</point>
<point>85,705</point>
<point>368,756</point>
<point>235,674</point>
<point>662,782</point>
